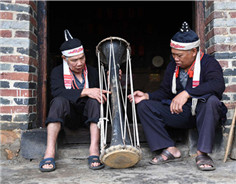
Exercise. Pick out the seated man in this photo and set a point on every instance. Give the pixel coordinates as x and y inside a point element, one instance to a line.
<point>77,98</point>
<point>191,89</point>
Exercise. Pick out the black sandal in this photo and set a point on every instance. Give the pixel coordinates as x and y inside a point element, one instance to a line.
<point>205,160</point>
<point>160,160</point>
<point>94,159</point>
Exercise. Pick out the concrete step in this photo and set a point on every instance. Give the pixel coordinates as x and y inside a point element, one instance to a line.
<point>81,151</point>
<point>76,144</point>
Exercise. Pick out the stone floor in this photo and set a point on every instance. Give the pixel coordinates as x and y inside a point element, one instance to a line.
<point>76,171</point>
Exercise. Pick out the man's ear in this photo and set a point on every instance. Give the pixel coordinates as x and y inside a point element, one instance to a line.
<point>194,52</point>
<point>63,57</point>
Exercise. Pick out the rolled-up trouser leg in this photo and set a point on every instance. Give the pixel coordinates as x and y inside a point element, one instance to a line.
<point>92,111</point>
<point>59,110</point>
<point>207,117</point>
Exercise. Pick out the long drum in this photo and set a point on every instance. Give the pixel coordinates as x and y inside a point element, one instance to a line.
<point>121,154</point>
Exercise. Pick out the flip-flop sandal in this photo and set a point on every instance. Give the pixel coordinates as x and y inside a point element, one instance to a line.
<point>47,161</point>
<point>205,160</point>
<point>95,159</point>
<point>160,160</point>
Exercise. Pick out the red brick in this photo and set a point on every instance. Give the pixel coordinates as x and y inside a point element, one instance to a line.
<point>216,31</point>
<point>6,15</point>
<point>233,30</point>
<point>34,109</point>
<point>210,50</point>
<point>230,105</point>
<point>33,21</point>
<point>19,59</point>
<point>14,109</point>
<point>22,1</point>
<point>33,37</point>
<point>15,59</point>
<point>16,93</point>
<point>231,88</point>
<point>34,93</point>
<point>5,33</point>
<point>233,48</point>
<point>224,64</point>
<point>209,3</point>
<point>16,76</point>
<point>33,5</point>
<point>218,48</point>
<point>24,34</point>
<point>33,62</point>
<point>232,14</point>
<point>215,15</point>
<point>34,78</point>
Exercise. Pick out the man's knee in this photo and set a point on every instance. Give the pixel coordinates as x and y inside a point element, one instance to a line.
<point>142,106</point>
<point>59,102</point>
<point>93,103</point>
<point>213,101</point>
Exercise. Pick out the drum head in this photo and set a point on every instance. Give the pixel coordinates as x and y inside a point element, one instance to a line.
<point>119,46</point>
<point>122,158</point>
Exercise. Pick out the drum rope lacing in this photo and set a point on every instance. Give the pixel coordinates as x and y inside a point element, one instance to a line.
<point>103,121</point>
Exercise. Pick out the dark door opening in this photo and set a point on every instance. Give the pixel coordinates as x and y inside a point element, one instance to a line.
<point>147,26</point>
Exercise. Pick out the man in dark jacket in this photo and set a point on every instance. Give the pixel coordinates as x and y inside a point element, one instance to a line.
<point>77,99</point>
<point>191,89</point>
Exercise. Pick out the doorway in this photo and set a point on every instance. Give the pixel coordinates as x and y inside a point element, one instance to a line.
<point>147,26</point>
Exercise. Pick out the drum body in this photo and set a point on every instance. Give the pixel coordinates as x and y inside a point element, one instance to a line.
<point>120,154</point>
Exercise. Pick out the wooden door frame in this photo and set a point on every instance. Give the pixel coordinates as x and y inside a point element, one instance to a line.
<point>42,60</point>
<point>200,22</point>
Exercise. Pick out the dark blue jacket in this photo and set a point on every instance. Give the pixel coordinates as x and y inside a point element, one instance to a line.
<point>211,82</point>
<point>73,95</point>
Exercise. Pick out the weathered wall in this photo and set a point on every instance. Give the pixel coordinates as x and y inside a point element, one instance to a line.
<point>18,65</point>
<point>220,31</point>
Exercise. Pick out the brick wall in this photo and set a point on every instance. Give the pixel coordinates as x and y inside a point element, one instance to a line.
<point>220,32</point>
<point>18,63</point>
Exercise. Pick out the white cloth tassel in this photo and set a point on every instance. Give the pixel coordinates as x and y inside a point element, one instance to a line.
<point>174,83</point>
<point>196,79</point>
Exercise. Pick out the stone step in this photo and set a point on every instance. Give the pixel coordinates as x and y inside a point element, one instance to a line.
<point>81,151</point>
<point>75,144</point>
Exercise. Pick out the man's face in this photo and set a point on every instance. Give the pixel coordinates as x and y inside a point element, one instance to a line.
<point>184,58</point>
<point>76,63</point>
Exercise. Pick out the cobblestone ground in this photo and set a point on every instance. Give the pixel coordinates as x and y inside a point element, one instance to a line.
<point>76,171</point>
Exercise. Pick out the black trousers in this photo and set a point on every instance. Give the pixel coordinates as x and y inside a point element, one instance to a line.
<point>73,115</point>
<point>155,116</point>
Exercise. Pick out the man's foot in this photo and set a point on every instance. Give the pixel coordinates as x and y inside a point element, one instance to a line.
<point>49,153</point>
<point>47,165</point>
<point>171,154</point>
<point>204,162</point>
<point>94,162</point>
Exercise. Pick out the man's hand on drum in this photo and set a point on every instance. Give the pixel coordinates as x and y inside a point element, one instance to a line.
<point>95,93</point>
<point>138,97</point>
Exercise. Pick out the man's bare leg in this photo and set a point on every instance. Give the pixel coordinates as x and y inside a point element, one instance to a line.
<point>94,144</point>
<point>52,133</point>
